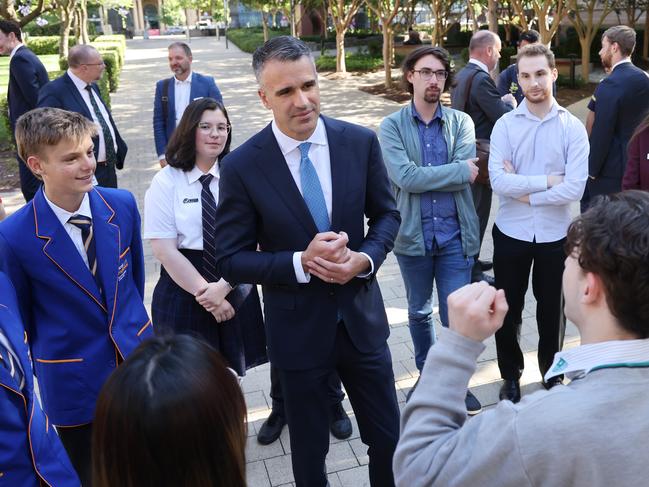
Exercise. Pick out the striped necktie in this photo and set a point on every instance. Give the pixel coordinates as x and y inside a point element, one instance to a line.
<point>208,204</point>
<point>84,224</point>
<point>10,362</point>
<point>312,191</point>
<point>111,156</point>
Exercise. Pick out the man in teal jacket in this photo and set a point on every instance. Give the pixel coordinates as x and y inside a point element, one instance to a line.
<point>429,151</point>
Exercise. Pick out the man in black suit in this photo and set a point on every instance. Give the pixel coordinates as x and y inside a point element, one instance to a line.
<point>26,76</point>
<point>300,190</point>
<point>620,102</point>
<point>76,91</point>
<point>476,94</point>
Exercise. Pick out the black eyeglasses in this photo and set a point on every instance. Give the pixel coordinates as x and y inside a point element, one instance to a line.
<point>93,64</point>
<point>208,128</point>
<point>427,74</point>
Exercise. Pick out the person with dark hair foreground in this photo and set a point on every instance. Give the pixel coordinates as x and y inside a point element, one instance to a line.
<point>636,175</point>
<point>179,210</point>
<point>429,151</point>
<point>171,415</point>
<point>584,434</point>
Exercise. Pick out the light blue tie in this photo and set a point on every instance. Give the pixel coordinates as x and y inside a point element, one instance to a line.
<point>312,191</point>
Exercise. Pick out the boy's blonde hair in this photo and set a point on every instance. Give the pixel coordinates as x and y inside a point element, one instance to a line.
<point>43,127</point>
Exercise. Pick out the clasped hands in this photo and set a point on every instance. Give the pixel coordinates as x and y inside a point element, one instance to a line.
<point>553,180</point>
<point>328,258</point>
<point>212,298</point>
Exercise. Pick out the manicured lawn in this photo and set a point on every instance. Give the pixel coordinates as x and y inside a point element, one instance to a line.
<point>50,61</point>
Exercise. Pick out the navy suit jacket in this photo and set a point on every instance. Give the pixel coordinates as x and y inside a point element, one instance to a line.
<point>63,93</point>
<point>31,453</point>
<point>621,102</point>
<point>484,105</point>
<point>27,75</point>
<point>77,333</point>
<point>201,87</point>
<point>259,203</point>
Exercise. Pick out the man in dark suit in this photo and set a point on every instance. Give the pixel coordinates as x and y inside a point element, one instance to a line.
<point>477,95</point>
<point>620,102</point>
<point>172,95</point>
<point>26,76</point>
<point>77,91</point>
<point>300,191</point>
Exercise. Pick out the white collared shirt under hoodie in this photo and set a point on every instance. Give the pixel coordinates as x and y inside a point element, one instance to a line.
<point>556,145</point>
<point>182,92</point>
<point>73,231</point>
<point>81,87</point>
<point>173,208</point>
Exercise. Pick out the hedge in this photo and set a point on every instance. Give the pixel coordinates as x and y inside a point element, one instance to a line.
<point>116,49</point>
<point>353,62</point>
<point>117,38</point>
<point>47,44</point>
<point>108,80</point>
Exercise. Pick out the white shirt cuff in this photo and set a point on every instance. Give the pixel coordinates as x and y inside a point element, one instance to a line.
<point>162,156</point>
<point>367,275</point>
<point>301,276</point>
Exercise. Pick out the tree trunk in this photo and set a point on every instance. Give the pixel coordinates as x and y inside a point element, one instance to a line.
<point>471,13</point>
<point>83,22</point>
<point>264,23</point>
<point>340,51</point>
<point>67,16</point>
<point>492,15</point>
<point>387,65</point>
<point>585,43</point>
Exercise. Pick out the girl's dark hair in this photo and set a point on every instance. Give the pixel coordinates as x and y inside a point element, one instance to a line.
<point>181,149</point>
<point>171,415</point>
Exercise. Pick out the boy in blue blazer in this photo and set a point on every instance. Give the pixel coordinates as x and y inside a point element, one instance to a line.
<point>31,454</point>
<point>74,255</point>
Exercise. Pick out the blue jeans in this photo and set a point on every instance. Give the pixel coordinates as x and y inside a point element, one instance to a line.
<point>451,270</point>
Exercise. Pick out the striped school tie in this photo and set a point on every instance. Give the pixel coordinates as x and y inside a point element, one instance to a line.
<point>312,191</point>
<point>9,361</point>
<point>208,204</point>
<point>111,155</point>
<point>84,224</point>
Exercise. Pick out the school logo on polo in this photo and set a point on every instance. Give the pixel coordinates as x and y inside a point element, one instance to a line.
<point>190,200</point>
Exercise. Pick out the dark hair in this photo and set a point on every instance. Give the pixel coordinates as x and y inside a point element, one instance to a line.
<point>415,55</point>
<point>281,48</point>
<point>171,415</point>
<point>624,36</point>
<point>181,45</point>
<point>611,240</point>
<point>9,26</point>
<point>534,50</point>
<point>532,36</point>
<point>181,149</point>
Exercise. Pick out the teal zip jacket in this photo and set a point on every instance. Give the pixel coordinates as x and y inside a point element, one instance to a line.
<point>403,158</point>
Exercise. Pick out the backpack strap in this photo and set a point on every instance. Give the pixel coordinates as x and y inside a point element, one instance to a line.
<point>165,99</point>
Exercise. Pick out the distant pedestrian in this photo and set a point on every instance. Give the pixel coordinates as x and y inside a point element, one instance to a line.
<point>27,76</point>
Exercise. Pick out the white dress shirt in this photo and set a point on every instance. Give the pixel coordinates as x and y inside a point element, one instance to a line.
<point>480,64</point>
<point>556,145</point>
<point>580,361</point>
<point>182,91</point>
<point>319,156</point>
<point>73,231</point>
<point>173,208</point>
<point>81,86</point>
<point>13,51</point>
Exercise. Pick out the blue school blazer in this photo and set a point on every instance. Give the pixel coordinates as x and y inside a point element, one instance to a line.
<point>31,454</point>
<point>77,333</point>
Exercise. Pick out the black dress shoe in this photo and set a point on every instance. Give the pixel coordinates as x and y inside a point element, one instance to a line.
<point>554,381</point>
<point>472,404</point>
<point>510,390</point>
<point>340,425</point>
<point>271,429</point>
<point>486,265</point>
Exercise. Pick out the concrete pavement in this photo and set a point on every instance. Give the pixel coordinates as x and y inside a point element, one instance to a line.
<point>132,108</point>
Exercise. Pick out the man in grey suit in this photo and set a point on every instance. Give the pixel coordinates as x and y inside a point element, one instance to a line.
<point>476,94</point>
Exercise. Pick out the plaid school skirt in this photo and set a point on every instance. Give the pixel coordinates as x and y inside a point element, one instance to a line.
<point>241,340</point>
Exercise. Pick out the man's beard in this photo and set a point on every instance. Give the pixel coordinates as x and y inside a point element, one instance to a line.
<point>538,98</point>
<point>606,60</point>
<point>431,96</point>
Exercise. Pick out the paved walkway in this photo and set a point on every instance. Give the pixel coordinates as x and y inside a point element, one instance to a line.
<point>132,107</point>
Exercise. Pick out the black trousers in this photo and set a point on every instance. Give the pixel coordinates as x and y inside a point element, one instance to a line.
<point>77,442</point>
<point>29,183</point>
<point>512,262</point>
<point>336,394</point>
<point>369,381</point>
<point>482,196</point>
<point>106,176</point>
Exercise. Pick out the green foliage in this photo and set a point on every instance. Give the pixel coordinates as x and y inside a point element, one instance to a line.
<point>172,12</point>
<point>564,82</point>
<point>5,127</point>
<point>119,39</point>
<point>506,54</point>
<point>354,62</point>
<point>465,55</point>
<point>47,44</point>
<point>113,69</point>
<point>116,49</point>
<point>457,37</point>
<point>375,48</point>
<point>251,38</point>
